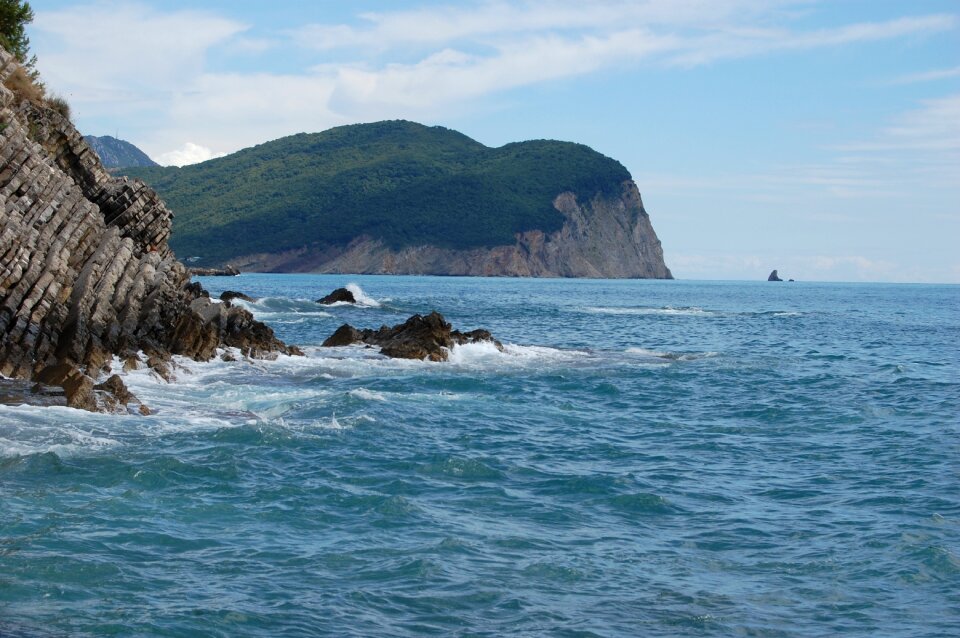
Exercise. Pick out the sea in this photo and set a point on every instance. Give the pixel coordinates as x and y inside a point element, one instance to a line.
<point>643,458</point>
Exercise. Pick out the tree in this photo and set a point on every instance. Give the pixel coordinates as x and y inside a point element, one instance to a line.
<point>15,15</point>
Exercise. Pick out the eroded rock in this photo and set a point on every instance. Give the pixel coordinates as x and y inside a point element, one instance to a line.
<point>338,295</point>
<point>230,295</point>
<point>427,337</point>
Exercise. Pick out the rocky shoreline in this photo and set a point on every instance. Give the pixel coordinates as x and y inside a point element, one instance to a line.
<point>86,272</point>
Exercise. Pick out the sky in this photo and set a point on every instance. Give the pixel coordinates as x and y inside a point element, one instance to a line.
<point>821,138</point>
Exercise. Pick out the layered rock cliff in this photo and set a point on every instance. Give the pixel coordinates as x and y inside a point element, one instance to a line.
<point>85,269</point>
<point>607,237</point>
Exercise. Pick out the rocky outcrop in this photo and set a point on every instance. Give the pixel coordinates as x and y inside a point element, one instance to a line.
<point>226,271</point>
<point>230,295</point>
<point>774,276</point>
<point>85,269</point>
<point>340,295</point>
<point>606,237</point>
<point>425,338</point>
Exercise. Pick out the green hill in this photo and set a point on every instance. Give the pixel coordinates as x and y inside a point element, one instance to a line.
<point>398,181</point>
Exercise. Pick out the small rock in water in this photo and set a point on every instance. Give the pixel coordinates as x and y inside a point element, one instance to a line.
<point>419,337</point>
<point>340,294</point>
<point>230,295</point>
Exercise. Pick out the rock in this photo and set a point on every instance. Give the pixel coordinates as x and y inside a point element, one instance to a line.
<point>226,271</point>
<point>419,337</point>
<point>230,295</point>
<point>132,362</point>
<point>774,277</point>
<point>343,336</point>
<point>338,295</point>
<point>86,272</point>
<point>20,392</point>
<point>77,387</point>
<point>115,386</point>
<point>608,236</point>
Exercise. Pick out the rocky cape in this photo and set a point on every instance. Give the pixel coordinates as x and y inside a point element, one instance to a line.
<point>86,272</point>
<point>399,197</point>
<point>606,237</point>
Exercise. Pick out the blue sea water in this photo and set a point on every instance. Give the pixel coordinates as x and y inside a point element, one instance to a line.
<point>646,458</point>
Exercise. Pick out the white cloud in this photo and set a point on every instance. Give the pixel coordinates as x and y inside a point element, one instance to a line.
<point>118,52</point>
<point>443,59</point>
<point>927,76</point>
<point>189,153</point>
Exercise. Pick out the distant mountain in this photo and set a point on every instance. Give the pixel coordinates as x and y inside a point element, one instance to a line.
<point>116,153</point>
<point>400,197</point>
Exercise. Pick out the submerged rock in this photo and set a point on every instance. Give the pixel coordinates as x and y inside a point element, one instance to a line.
<point>774,277</point>
<point>419,337</point>
<point>338,295</point>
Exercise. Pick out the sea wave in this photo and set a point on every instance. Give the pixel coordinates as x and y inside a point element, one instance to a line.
<point>642,310</point>
<point>671,356</point>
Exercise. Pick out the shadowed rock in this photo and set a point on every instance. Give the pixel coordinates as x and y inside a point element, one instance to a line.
<point>419,337</point>
<point>227,271</point>
<point>230,295</point>
<point>338,295</point>
<point>774,277</point>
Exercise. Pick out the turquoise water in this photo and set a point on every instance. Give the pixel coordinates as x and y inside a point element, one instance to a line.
<point>647,458</point>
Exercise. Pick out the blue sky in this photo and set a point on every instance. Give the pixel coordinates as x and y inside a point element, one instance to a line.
<point>821,138</point>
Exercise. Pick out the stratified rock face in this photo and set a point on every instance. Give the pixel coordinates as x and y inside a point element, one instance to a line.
<point>607,237</point>
<point>85,269</point>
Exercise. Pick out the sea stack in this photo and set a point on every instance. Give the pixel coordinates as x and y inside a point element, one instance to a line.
<point>86,272</point>
<point>774,277</point>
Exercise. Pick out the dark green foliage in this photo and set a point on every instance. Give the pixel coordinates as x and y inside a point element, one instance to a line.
<point>14,17</point>
<point>402,182</point>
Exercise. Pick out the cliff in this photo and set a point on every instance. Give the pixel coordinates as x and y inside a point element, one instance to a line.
<point>405,198</point>
<point>606,237</point>
<point>86,271</point>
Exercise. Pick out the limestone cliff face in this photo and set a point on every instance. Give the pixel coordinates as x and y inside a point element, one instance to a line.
<point>607,237</point>
<point>85,269</point>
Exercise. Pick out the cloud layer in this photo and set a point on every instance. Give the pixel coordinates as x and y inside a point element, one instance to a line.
<point>403,63</point>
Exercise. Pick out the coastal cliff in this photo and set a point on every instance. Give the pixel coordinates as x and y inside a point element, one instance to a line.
<point>607,237</point>
<point>86,271</point>
<point>403,198</point>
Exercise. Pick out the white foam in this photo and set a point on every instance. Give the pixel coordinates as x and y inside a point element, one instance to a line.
<point>361,296</point>
<point>367,395</point>
<point>486,354</point>
<point>667,310</point>
<point>672,356</point>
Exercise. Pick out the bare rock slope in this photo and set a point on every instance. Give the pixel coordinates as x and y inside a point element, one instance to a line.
<point>85,269</point>
<point>607,237</point>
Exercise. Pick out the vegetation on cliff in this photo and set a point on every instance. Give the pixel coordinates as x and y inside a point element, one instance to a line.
<point>401,182</point>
